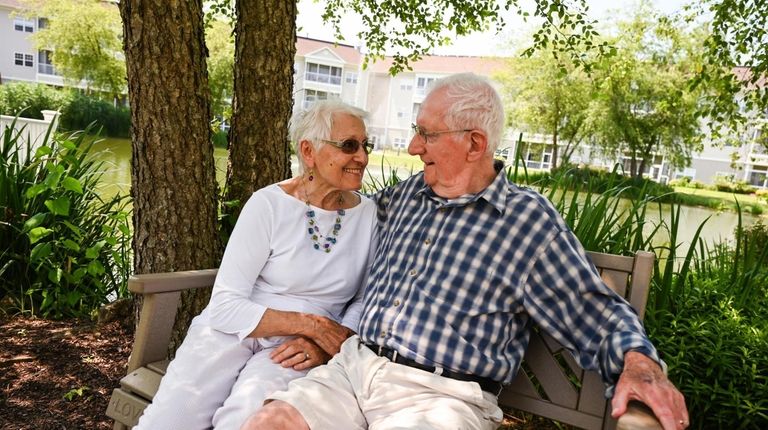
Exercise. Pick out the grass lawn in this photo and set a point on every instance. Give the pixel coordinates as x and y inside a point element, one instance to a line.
<point>390,158</point>
<point>721,200</point>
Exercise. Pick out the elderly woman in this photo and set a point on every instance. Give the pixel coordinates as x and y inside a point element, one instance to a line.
<point>288,291</point>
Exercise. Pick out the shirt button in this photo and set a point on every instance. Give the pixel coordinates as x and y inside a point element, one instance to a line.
<point>427,241</point>
<point>412,272</point>
<point>396,303</point>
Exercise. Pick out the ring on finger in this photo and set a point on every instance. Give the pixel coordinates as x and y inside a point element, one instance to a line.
<point>306,356</point>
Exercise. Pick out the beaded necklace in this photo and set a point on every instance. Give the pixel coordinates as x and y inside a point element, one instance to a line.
<point>322,242</point>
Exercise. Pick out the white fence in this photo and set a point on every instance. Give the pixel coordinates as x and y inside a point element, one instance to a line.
<point>32,130</point>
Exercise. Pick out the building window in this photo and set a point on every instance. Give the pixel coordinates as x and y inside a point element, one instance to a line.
<point>311,96</point>
<point>25,25</point>
<point>26,60</point>
<point>42,23</point>
<point>415,112</point>
<point>324,74</point>
<point>351,78</point>
<point>399,142</point>
<point>44,63</point>
<point>422,84</point>
<point>406,87</point>
<point>402,114</point>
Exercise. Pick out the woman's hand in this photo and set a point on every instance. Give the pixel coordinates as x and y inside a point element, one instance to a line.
<point>326,333</point>
<point>299,353</point>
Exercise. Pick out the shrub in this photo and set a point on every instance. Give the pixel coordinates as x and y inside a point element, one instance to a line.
<point>84,110</point>
<point>718,357</point>
<point>683,181</point>
<point>738,187</point>
<point>63,250</point>
<point>29,100</point>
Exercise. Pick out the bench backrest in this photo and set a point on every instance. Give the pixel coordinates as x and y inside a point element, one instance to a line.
<point>550,382</point>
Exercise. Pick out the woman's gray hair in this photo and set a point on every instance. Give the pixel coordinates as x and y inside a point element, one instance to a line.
<point>473,103</point>
<point>315,124</point>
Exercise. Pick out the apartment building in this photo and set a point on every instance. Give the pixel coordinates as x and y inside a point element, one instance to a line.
<point>19,60</point>
<point>326,70</point>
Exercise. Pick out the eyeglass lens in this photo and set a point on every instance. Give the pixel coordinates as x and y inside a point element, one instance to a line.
<point>350,146</point>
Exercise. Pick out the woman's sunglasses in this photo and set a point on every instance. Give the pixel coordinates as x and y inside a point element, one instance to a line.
<point>350,146</point>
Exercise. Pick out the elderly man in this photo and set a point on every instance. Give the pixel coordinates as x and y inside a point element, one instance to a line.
<point>465,262</point>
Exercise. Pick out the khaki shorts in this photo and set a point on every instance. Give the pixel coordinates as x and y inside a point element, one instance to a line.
<point>359,390</point>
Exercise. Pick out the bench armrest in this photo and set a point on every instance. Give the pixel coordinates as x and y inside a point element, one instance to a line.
<point>153,283</point>
<point>161,293</point>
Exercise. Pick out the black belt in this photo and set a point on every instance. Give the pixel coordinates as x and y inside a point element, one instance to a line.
<point>486,384</point>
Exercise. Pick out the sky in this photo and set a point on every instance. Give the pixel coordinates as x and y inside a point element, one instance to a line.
<point>310,25</point>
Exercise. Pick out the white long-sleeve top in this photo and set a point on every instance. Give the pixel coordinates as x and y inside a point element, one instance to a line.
<point>270,262</point>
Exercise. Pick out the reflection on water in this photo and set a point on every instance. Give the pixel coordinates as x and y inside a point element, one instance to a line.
<point>116,155</point>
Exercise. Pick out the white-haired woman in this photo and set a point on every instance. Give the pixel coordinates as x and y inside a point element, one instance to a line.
<point>289,288</point>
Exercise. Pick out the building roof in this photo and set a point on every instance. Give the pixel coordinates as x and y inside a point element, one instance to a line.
<point>442,64</point>
<point>438,64</point>
<point>745,73</point>
<point>13,4</point>
<point>306,46</point>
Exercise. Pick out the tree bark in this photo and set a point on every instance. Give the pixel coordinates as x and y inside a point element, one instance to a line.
<point>173,183</point>
<point>265,46</point>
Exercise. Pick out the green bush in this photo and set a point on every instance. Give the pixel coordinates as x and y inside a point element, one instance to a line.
<point>84,110</point>
<point>718,357</point>
<point>29,100</point>
<point>680,182</point>
<point>63,250</point>
<point>738,187</point>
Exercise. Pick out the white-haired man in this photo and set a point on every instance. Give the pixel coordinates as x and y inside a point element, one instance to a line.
<point>465,261</point>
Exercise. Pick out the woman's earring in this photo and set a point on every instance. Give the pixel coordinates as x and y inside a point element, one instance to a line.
<point>311,174</point>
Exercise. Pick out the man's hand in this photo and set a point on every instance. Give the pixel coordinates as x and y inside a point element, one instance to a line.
<point>326,333</point>
<point>299,353</point>
<point>643,380</point>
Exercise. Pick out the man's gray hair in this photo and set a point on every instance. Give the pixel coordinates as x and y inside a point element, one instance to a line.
<point>315,124</point>
<point>473,103</point>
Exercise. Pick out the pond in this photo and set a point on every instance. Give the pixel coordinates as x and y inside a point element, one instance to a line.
<point>116,155</point>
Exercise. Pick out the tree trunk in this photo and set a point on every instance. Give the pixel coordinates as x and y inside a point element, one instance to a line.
<point>553,167</point>
<point>173,181</point>
<point>259,149</point>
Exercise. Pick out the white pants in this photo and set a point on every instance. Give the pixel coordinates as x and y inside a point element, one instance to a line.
<point>215,381</point>
<point>359,390</point>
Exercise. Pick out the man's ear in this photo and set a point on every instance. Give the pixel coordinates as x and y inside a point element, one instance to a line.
<point>307,152</point>
<point>478,143</point>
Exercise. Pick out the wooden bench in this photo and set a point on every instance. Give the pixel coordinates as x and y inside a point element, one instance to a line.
<point>550,383</point>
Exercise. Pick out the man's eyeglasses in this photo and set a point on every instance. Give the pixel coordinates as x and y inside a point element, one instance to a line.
<point>424,134</point>
<point>350,146</point>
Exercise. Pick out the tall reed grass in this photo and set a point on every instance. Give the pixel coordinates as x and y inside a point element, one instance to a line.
<point>63,250</point>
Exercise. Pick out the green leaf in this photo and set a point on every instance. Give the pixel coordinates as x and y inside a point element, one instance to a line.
<point>95,268</point>
<point>59,206</point>
<point>72,184</point>
<point>40,251</point>
<point>92,252</point>
<point>35,190</point>
<point>33,222</point>
<point>38,233</point>
<point>54,275</point>
<point>75,229</point>
<point>68,145</point>
<point>54,175</point>
<point>79,274</point>
<point>71,244</point>
<point>42,152</point>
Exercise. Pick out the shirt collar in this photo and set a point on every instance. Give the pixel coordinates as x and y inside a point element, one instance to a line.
<point>495,193</point>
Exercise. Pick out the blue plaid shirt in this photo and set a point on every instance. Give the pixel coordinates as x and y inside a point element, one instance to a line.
<point>456,283</point>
